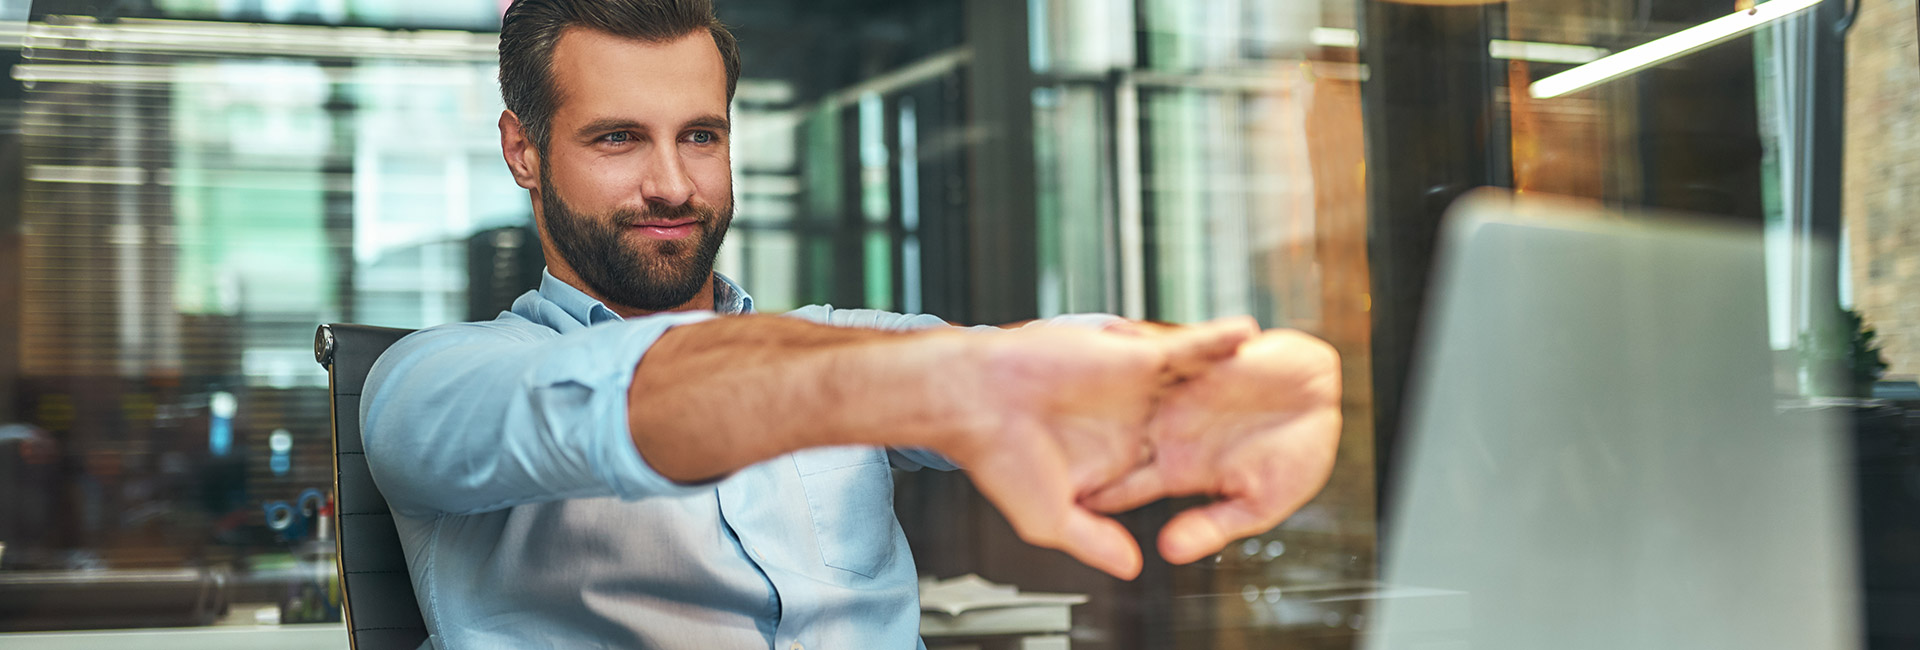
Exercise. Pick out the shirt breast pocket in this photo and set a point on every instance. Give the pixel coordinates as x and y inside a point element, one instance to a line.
<point>850,498</point>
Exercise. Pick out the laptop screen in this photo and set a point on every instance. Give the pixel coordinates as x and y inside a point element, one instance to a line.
<point>1594,456</point>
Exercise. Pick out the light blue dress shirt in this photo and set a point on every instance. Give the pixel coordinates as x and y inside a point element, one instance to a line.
<point>530,520</point>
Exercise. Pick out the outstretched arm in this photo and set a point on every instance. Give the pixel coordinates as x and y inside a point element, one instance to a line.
<point>1038,416</point>
<point>469,418</point>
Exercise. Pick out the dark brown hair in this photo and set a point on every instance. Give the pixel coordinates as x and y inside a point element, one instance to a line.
<point>531,29</point>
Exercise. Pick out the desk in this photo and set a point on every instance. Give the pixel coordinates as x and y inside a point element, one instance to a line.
<point>317,636</point>
<point>231,634</point>
<point>333,636</point>
<point>1000,642</point>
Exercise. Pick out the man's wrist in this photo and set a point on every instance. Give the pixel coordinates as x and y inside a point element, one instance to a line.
<point>908,390</point>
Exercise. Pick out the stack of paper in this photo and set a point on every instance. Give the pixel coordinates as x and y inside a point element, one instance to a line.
<point>971,606</point>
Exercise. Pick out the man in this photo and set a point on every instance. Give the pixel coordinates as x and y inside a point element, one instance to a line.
<point>630,458</point>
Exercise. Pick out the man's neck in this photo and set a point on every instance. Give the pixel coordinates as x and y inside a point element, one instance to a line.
<point>702,300</point>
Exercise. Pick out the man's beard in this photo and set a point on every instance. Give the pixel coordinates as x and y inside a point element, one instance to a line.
<point>658,280</point>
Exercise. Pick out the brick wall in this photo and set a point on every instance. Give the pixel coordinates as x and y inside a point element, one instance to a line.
<point>1881,204</point>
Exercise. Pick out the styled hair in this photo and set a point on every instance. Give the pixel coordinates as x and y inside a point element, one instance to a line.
<point>531,29</point>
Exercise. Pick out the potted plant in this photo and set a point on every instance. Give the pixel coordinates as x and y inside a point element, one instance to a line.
<point>1841,357</point>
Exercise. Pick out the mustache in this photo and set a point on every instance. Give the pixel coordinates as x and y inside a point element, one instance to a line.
<point>684,211</point>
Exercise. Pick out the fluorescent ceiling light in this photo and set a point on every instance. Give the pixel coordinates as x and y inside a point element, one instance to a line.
<point>1545,52</point>
<point>86,174</point>
<point>1499,49</point>
<point>1334,37</point>
<point>215,73</point>
<point>1682,42</point>
<point>197,37</point>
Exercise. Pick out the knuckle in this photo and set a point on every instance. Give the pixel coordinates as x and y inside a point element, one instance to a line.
<point>1326,356</point>
<point>1311,350</point>
<point>1320,362</point>
<point>1324,390</point>
<point>1316,354</point>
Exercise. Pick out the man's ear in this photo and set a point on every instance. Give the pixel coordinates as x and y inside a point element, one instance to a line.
<point>523,159</point>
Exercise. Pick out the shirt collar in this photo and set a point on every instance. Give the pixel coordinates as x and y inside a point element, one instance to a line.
<point>728,298</point>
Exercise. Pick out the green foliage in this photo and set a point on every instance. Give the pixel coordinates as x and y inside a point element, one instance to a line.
<point>1842,355</point>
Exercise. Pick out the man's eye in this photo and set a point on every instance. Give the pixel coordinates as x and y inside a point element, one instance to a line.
<point>700,137</point>
<point>619,137</point>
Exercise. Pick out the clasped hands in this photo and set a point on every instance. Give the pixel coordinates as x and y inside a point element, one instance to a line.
<point>1072,426</point>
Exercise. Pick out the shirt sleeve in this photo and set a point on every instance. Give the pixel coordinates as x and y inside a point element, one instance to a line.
<point>914,458</point>
<point>1083,321</point>
<point>475,417</point>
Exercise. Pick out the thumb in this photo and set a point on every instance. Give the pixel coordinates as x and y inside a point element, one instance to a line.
<point>1138,488</point>
<point>1204,530</point>
<point>1101,543</point>
<point>1094,540</point>
<point>1192,349</point>
<point>1040,507</point>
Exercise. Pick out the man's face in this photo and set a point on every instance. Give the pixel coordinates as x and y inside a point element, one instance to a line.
<point>636,190</point>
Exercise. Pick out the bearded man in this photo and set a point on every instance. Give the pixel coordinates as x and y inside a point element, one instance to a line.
<point>631,458</point>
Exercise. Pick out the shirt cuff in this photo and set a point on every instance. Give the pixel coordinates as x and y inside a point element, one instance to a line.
<point>1080,321</point>
<point>623,469</point>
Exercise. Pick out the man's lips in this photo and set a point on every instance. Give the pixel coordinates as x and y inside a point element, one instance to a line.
<point>667,229</point>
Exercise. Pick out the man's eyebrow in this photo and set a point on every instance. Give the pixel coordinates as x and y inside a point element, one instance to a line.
<point>606,125</point>
<point>715,122</point>
<point>611,124</point>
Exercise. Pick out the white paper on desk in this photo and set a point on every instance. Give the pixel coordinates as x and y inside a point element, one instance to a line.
<point>957,596</point>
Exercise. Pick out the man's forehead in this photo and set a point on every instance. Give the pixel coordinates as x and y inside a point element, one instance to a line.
<point>597,72</point>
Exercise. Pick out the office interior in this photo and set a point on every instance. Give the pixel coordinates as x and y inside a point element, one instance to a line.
<point>189,187</point>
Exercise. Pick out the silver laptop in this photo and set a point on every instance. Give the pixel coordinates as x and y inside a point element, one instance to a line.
<point>1594,456</point>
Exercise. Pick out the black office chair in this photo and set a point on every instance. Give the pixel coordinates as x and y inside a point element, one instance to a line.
<point>381,610</point>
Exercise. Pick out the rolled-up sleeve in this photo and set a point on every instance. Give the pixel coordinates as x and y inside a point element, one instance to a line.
<point>476,417</point>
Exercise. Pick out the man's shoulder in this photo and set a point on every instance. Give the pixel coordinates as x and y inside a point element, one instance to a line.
<point>866,318</point>
<point>509,327</point>
<point>455,338</point>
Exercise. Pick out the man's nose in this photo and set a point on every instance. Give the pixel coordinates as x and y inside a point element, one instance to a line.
<point>666,181</point>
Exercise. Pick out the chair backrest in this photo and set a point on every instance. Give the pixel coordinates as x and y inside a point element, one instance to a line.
<point>381,610</point>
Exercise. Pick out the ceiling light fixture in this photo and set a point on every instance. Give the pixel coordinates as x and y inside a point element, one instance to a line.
<point>1654,52</point>
<point>1499,49</point>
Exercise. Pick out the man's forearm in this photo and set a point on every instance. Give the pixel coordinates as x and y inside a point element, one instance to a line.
<point>1039,416</point>
<point>712,397</point>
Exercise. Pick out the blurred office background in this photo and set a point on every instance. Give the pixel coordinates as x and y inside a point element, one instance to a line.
<point>187,187</point>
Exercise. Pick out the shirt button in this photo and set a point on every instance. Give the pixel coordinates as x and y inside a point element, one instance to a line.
<point>796,646</point>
